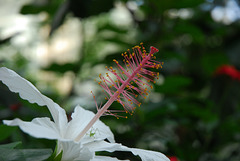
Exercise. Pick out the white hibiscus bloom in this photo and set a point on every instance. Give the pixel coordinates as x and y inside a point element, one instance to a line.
<point>66,132</point>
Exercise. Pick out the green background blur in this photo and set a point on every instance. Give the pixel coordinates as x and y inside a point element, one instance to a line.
<point>62,46</point>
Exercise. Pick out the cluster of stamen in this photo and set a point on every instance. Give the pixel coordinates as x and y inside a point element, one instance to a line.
<point>130,82</point>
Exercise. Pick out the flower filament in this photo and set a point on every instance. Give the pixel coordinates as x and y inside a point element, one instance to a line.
<point>129,83</point>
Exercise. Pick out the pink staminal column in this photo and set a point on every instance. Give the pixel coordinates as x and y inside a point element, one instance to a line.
<point>128,84</point>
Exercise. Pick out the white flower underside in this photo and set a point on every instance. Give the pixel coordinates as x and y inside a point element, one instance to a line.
<point>65,132</point>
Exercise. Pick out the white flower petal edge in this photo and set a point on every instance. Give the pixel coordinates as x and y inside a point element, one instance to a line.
<point>38,127</point>
<point>28,92</point>
<point>103,158</point>
<point>145,155</point>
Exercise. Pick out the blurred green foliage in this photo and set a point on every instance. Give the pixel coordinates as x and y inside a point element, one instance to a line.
<point>192,113</point>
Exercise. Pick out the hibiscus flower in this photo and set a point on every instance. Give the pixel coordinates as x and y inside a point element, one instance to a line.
<point>98,138</point>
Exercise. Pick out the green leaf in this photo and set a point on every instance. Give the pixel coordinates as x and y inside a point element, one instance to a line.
<point>10,145</point>
<point>58,157</point>
<point>161,6</point>
<point>24,154</point>
<point>191,29</point>
<point>54,156</point>
<point>11,155</point>
<point>210,61</point>
<point>6,131</point>
<point>36,154</point>
<point>174,84</point>
<point>8,153</point>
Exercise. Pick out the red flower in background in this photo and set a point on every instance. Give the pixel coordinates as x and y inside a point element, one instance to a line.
<point>173,158</point>
<point>15,107</point>
<point>229,70</point>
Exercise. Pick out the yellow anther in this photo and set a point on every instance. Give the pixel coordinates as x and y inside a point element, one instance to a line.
<point>136,95</point>
<point>151,87</point>
<point>105,98</point>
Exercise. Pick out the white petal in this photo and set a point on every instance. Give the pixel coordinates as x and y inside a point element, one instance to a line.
<point>145,155</point>
<point>104,158</point>
<point>80,119</point>
<point>29,92</point>
<point>73,151</point>
<point>38,127</point>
